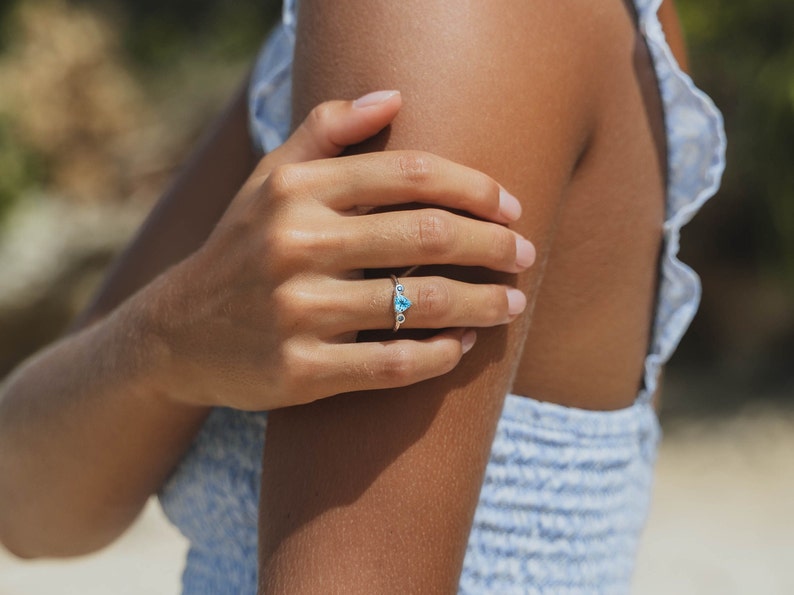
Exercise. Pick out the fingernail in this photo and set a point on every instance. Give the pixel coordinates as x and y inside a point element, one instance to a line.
<point>509,205</point>
<point>467,342</point>
<point>516,301</point>
<point>525,252</point>
<point>374,98</point>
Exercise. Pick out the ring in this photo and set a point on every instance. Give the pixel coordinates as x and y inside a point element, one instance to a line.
<point>401,303</point>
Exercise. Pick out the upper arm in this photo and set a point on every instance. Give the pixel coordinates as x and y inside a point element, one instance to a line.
<point>375,492</point>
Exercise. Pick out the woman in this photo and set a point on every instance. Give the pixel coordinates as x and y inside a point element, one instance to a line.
<point>383,490</point>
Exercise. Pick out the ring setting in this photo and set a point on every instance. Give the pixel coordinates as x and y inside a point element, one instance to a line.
<point>400,302</point>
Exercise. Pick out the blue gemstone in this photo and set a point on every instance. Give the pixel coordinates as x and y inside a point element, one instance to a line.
<point>401,303</point>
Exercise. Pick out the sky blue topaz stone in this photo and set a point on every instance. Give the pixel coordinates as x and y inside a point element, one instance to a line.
<point>401,303</point>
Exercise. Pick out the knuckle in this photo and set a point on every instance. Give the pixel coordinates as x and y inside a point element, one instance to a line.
<point>297,367</point>
<point>415,167</point>
<point>289,364</point>
<point>286,308</point>
<point>320,117</point>
<point>399,367</point>
<point>495,307</point>
<point>279,245</point>
<point>503,245</point>
<point>435,232</point>
<point>489,192</point>
<point>288,249</point>
<point>433,299</point>
<point>445,356</point>
<point>282,183</point>
<point>449,357</point>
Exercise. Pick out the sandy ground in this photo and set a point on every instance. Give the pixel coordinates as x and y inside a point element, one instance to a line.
<point>721,523</point>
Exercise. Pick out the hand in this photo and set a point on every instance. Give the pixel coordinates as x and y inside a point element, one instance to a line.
<point>266,313</point>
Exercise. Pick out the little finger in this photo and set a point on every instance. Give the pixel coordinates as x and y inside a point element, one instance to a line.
<point>391,364</point>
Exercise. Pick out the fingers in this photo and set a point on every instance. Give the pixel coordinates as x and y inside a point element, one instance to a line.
<point>426,236</point>
<point>333,125</point>
<point>398,177</point>
<point>435,302</point>
<point>390,364</point>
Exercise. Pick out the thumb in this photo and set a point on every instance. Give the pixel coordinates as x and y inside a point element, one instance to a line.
<point>333,125</point>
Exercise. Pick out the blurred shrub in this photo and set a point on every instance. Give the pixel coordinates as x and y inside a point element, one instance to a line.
<point>743,55</point>
<point>101,99</point>
<point>19,167</point>
<point>742,244</point>
<point>67,103</point>
<point>158,33</point>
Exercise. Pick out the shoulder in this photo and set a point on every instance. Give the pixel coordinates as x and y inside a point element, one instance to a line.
<point>535,69</point>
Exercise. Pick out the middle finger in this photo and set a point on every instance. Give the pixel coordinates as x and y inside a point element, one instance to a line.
<point>428,236</point>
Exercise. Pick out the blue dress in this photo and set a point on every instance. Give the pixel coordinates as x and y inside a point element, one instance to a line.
<point>566,491</point>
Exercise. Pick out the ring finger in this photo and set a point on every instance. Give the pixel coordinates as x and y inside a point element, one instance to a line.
<point>424,302</point>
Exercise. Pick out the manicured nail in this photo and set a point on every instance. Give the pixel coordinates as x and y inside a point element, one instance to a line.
<point>467,342</point>
<point>509,205</point>
<point>375,98</point>
<point>516,301</point>
<point>525,252</point>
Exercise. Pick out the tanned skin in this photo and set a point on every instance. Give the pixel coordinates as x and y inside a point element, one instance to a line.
<point>375,492</point>
<point>98,480</point>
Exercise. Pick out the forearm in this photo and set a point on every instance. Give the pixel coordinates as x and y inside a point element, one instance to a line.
<point>86,436</point>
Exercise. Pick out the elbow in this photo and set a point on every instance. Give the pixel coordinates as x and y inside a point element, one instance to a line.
<point>32,549</point>
<point>18,552</point>
<point>30,540</point>
<point>12,540</point>
<point>11,534</point>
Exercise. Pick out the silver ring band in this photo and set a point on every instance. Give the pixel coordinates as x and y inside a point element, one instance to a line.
<point>400,303</point>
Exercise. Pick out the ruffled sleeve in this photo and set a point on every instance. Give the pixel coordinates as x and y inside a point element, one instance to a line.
<point>696,160</point>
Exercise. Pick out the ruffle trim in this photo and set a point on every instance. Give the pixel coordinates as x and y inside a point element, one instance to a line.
<point>696,160</point>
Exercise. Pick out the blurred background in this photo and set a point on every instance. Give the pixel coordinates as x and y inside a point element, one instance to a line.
<point>101,100</point>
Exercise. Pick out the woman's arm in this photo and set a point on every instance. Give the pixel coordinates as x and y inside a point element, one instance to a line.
<point>89,427</point>
<point>85,438</point>
<point>375,492</point>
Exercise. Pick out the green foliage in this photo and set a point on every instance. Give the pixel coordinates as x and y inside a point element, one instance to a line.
<point>99,70</point>
<point>19,168</point>
<point>157,33</point>
<point>743,55</point>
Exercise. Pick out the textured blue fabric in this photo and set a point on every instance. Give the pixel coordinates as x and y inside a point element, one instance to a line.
<point>566,491</point>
